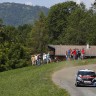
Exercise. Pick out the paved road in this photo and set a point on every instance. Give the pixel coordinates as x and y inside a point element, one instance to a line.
<point>65,78</point>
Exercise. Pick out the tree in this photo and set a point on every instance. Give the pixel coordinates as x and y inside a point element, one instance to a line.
<point>57,19</point>
<point>39,35</point>
<point>91,29</point>
<point>10,31</point>
<point>22,33</point>
<point>13,54</point>
<point>76,32</point>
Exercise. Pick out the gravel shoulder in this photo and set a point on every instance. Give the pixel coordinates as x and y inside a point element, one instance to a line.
<point>65,78</point>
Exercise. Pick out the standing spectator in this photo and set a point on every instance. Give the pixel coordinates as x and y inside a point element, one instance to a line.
<point>78,54</point>
<point>39,59</point>
<point>69,53</point>
<point>36,59</point>
<point>82,53</point>
<point>44,58</point>
<point>33,59</point>
<point>74,54</point>
<point>48,59</point>
<point>66,54</point>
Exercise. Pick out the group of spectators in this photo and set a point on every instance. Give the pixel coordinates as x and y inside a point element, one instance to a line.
<point>75,54</point>
<point>71,54</point>
<point>39,59</point>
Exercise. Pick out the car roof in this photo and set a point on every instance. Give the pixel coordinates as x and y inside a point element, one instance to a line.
<point>86,70</point>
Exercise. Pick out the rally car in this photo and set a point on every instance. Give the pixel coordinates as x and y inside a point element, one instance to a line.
<point>85,77</point>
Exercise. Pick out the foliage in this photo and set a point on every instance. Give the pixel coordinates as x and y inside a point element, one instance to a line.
<point>57,18</point>
<point>13,53</point>
<point>69,23</point>
<point>75,28</point>
<point>39,35</point>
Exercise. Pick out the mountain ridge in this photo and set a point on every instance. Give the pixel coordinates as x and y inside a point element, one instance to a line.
<point>18,14</point>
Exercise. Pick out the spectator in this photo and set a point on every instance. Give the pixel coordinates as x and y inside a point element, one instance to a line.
<point>36,59</point>
<point>78,54</point>
<point>82,53</point>
<point>39,59</point>
<point>66,55</point>
<point>74,54</point>
<point>44,58</point>
<point>48,59</point>
<point>69,54</point>
<point>33,59</point>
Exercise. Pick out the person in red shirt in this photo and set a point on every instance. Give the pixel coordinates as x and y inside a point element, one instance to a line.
<point>74,54</point>
<point>82,53</point>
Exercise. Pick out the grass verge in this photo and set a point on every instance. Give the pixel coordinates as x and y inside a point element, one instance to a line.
<point>35,80</point>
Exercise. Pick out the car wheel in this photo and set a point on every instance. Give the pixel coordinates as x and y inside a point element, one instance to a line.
<point>76,84</point>
<point>94,84</point>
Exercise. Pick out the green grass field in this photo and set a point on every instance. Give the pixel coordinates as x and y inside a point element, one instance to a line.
<point>35,80</point>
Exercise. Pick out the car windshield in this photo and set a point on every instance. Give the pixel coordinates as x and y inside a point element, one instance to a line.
<point>86,73</point>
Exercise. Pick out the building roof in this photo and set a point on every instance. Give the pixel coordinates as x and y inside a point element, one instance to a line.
<point>61,49</point>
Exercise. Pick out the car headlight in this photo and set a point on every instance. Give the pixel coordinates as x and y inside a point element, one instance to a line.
<point>94,78</point>
<point>78,78</point>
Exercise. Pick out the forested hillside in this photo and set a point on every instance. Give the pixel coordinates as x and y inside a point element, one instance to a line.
<point>19,14</point>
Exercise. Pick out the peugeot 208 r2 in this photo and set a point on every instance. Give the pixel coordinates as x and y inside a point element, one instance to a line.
<point>85,77</point>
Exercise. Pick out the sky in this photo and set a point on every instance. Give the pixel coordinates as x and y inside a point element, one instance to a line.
<point>47,3</point>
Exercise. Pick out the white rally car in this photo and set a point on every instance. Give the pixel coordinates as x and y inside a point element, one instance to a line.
<point>85,77</point>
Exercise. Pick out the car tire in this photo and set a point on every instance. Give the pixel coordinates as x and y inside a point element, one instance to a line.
<point>94,84</point>
<point>76,84</point>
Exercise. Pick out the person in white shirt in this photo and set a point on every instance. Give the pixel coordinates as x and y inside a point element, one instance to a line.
<point>44,58</point>
<point>36,59</point>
